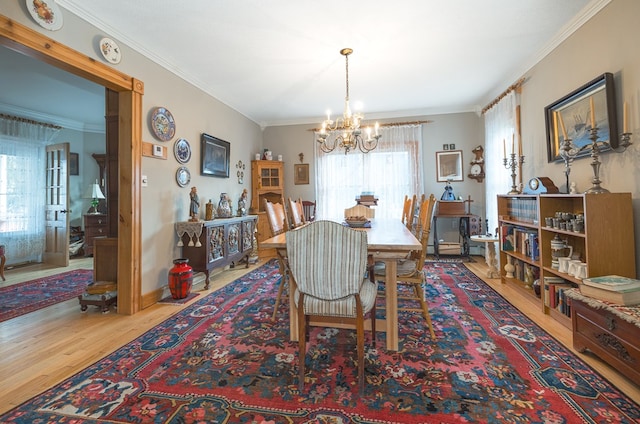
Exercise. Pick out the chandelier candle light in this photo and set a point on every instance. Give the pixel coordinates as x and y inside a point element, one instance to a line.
<point>348,126</point>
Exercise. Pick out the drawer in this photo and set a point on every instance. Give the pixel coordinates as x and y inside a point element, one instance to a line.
<point>95,220</point>
<point>90,232</point>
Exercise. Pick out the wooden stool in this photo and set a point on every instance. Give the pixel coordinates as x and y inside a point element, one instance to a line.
<point>3,259</point>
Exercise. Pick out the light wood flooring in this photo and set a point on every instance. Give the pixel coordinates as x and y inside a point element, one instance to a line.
<point>40,349</point>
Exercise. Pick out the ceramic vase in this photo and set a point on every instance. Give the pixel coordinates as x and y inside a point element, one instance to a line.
<point>180,278</point>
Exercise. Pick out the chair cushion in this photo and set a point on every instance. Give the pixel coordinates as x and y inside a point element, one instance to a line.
<point>405,267</point>
<point>343,307</point>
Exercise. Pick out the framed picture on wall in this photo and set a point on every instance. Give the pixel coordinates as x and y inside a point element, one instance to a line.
<point>215,154</point>
<point>449,166</point>
<point>571,118</point>
<point>74,164</point>
<point>301,173</point>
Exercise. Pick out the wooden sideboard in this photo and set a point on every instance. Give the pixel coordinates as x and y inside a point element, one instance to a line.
<point>216,243</point>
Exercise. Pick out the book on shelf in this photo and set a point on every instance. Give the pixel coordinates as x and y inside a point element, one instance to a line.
<point>613,283</point>
<point>625,297</point>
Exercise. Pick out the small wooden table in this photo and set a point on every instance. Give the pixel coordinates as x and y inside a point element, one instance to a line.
<point>388,241</point>
<point>489,254</point>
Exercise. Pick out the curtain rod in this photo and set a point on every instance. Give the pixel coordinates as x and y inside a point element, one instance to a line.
<point>391,124</point>
<point>515,86</point>
<point>29,121</point>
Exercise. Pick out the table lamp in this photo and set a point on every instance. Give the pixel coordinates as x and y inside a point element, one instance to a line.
<point>94,193</point>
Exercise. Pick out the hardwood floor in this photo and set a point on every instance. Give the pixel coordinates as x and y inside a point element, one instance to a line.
<point>40,349</point>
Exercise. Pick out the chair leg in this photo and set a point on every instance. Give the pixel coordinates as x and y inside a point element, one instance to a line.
<point>278,297</point>
<point>302,339</point>
<point>425,309</point>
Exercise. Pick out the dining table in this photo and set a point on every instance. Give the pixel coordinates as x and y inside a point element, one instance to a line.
<point>388,240</point>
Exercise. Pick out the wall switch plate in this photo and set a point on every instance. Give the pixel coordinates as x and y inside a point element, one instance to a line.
<point>145,181</point>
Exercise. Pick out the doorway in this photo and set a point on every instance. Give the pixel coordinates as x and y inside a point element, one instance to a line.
<point>130,91</point>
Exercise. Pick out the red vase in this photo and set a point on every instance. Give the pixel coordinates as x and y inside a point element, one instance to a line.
<point>180,278</point>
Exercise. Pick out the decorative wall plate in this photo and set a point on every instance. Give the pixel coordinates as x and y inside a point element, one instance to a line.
<point>46,14</point>
<point>182,150</point>
<point>110,50</point>
<point>162,124</point>
<point>183,176</point>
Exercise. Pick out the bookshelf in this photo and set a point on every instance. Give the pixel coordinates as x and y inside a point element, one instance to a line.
<point>605,243</point>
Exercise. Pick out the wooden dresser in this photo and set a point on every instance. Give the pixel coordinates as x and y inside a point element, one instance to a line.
<point>604,332</point>
<point>95,225</point>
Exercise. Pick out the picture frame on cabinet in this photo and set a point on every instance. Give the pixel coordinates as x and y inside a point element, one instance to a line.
<point>301,173</point>
<point>74,164</point>
<point>215,154</point>
<point>571,115</point>
<point>449,166</point>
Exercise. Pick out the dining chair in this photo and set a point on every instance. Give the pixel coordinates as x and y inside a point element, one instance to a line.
<point>327,262</point>
<point>278,224</point>
<point>407,210</point>
<point>360,210</point>
<point>411,270</point>
<point>296,213</point>
<point>309,210</point>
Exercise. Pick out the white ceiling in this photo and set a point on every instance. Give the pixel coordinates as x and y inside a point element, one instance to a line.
<point>278,62</point>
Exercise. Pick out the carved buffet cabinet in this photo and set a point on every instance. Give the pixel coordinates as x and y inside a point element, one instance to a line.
<point>216,243</point>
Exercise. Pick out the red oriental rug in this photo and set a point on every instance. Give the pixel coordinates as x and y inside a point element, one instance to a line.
<point>223,360</point>
<point>22,298</point>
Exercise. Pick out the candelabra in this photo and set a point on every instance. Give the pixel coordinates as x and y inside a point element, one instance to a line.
<point>569,151</point>
<point>513,164</point>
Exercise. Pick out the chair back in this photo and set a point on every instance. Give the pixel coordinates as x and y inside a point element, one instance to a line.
<point>327,260</point>
<point>408,209</point>
<point>296,210</point>
<point>424,226</point>
<point>309,208</point>
<point>360,210</point>
<point>276,217</point>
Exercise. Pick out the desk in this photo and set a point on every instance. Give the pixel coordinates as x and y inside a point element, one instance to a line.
<point>489,254</point>
<point>388,241</point>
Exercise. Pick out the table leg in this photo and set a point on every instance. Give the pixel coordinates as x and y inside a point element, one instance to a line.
<point>391,292</point>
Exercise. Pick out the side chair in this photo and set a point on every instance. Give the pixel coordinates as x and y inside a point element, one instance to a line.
<point>327,263</point>
<point>309,210</point>
<point>360,210</point>
<point>411,270</point>
<point>297,218</point>
<point>278,224</point>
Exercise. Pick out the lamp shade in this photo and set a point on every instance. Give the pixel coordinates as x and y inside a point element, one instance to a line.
<point>93,192</point>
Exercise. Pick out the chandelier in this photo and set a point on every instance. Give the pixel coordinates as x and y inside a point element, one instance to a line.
<point>349,135</point>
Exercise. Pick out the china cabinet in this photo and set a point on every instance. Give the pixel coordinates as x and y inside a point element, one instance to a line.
<point>535,230</point>
<point>267,182</point>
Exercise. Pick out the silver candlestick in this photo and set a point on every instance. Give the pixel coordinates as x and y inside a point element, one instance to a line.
<point>513,164</point>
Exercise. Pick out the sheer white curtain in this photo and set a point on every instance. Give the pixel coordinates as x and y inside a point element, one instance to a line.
<point>22,187</point>
<point>500,125</point>
<point>391,171</point>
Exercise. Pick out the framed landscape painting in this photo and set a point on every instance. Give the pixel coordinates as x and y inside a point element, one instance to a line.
<point>215,156</point>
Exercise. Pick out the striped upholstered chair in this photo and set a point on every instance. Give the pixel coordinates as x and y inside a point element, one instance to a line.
<point>327,262</point>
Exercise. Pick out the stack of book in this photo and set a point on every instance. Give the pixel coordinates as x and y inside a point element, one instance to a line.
<point>612,288</point>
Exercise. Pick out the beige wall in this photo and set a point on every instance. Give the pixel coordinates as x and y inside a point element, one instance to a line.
<point>607,43</point>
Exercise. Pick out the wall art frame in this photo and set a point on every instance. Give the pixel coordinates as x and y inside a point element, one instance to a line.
<point>449,166</point>
<point>74,164</point>
<point>301,173</point>
<point>574,111</point>
<point>215,154</point>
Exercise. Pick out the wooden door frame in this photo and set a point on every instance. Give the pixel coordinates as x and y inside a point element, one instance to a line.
<point>20,38</point>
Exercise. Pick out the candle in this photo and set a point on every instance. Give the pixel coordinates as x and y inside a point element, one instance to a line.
<point>519,146</point>
<point>377,127</point>
<point>504,149</point>
<point>593,112</point>
<point>513,144</point>
<point>564,130</point>
<point>625,128</point>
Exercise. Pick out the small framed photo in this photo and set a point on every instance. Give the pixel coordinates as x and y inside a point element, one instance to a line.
<point>445,147</point>
<point>301,174</point>
<point>74,164</point>
<point>452,146</point>
<point>449,166</point>
<point>215,156</point>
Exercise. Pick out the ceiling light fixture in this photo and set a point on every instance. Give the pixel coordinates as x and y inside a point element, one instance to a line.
<point>349,135</point>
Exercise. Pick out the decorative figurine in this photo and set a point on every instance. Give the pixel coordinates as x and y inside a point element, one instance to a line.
<point>242,203</point>
<point>194,205</point>
<point>448,192</point>
<point>224,207</point>
<point>573,188</point>
<point>209,215</point>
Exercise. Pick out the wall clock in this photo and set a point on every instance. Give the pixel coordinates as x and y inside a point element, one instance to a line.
<point>477,165</point>
<point>539,185</point>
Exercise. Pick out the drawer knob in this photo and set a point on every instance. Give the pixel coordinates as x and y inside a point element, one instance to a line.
<point>611,322</point>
